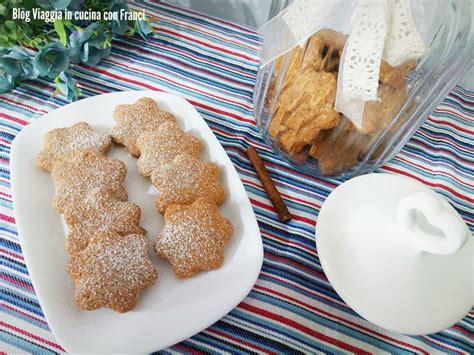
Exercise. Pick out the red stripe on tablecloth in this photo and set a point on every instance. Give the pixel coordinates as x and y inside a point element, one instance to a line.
<point>18,256</point>
<point>222,112</point>
<point>437,138</point>
<point>416,140</point>
<point>17,282</point>
<point>211,19</point>
<point>343,320</point>
<point>210,34</point>
<point>302,328</point>
<point>286,196</point>
<point>150,87</point>
<point>154,75</point>
<point>287,261</point>
<point>272,209</point>
<point>450,124</point>
<point>16,103</point>
<point>189,55</point>
<point>25,314</point>
<point>287,241</point>
<point>94,88</point>
<point>7,218</point>
<point>464,331</point>
<point>187,349</point>
<point>441,186</point>
<point>440,163</point>
<point>304,176</point>
<point>217,48</point>
<point>237,340</point>
<point>306,290</point>
<point>118,77</point>
<point>5,194</point>
<point>434,172</point>
<point>454,113</point>
<point>24,332</point>
<point>14,119</point>
<point>441,344</point>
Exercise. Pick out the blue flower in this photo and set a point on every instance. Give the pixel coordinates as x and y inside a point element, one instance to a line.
<point>17,62</point>
<point>66,85</point>
<point>119,27</point>
<point>89,46</point>
<point>52,60</point>
<point>143,28</point>
<point>54,4</point>
<point>8,66</point>
<point>6,81</point>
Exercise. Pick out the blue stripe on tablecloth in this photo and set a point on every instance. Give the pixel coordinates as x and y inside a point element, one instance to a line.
<point>245,335</point>
<point>33,321</point>
<point>15,265</point>
<point>18,282</point>
<point>335,325</point>
<point>18,299</point>
<point>220,85</point>
<point>5,228</point>
<point>285,333</point>
<point>208,23</point>
<point>149,60</point>
<point>23,344</point>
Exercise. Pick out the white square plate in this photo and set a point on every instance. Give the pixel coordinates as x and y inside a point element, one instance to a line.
<point>172,309</point>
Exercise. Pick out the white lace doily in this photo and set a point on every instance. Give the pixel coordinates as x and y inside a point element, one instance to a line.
<point>403,41</point>
<point>360,61</point>
<point>294,25</point>
<point>381,29</point>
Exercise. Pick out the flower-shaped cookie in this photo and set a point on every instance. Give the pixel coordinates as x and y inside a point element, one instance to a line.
<point>159,147</point>
<point>112,271</point>
<point>83,175</point>
<point>132,120</point>
<point>100,213</point>
<point>194,237</point>
<point>62,144</point>
<point>186,179</point>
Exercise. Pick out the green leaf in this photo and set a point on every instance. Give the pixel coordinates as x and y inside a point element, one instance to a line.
<point>107,41</point>
<point>77,91</point>
<point>12,36</point>
<point>59,28</point>
<point>10,25</point>
<point>4,41</point>
<point>3,10</point>
<point>131,31</point>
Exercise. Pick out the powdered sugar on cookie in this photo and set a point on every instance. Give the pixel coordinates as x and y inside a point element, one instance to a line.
<point>63,144</point>
<point>100,213</point>
<point>194,237</point>
<point>186,179</point>
<point>159,147</point>
<point>83,175</point>
<point>112,271</point>
<point>132,120</point>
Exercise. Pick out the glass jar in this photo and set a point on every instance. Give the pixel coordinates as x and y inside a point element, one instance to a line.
<point>286,97</point>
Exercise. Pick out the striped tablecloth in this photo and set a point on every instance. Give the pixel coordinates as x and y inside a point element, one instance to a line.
<point>292,307</point>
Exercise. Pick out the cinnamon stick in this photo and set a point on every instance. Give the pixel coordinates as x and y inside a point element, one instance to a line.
<point>280,207</point>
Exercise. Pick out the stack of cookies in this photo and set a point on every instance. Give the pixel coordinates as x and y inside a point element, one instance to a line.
<point>305,124</point>
<point>107,247</point>
<point>189,190</point>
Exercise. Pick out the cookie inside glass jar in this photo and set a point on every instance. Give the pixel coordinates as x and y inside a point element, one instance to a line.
<point>304,123</point>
